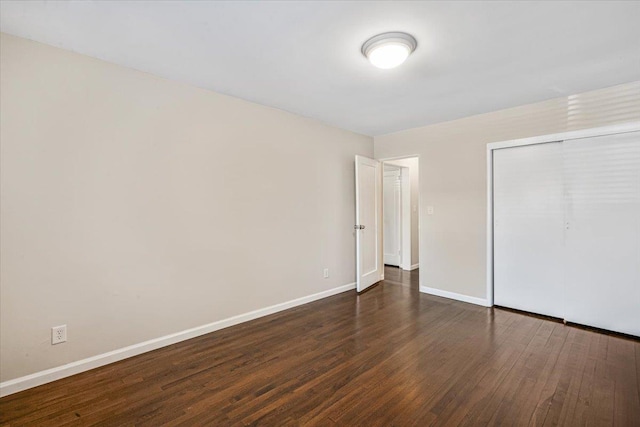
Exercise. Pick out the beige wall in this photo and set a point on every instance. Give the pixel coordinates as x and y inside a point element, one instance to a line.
<point>453,175</point>
<point>413,166</point>
<point>135,207</point>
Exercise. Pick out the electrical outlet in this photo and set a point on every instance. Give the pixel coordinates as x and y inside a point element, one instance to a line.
<point>429,210</point>
<point>58,334</point>
<point>326,273</point>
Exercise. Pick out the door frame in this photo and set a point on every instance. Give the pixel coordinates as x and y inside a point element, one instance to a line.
<point>406,190</point>
<point>542,139</point>
<point>405,219</point>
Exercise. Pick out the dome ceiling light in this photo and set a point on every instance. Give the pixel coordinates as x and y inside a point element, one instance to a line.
<point>388,50</point>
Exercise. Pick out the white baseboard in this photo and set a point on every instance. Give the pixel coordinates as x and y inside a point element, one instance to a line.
<point>414,266</point>
<point>452,295</point>
<point>59,372</point>
<point>409,267</point>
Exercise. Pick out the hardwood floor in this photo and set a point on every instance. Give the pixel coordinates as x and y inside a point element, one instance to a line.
<point>391,357</point>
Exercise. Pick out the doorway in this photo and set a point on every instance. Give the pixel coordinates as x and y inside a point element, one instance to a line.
<point>400,193</point>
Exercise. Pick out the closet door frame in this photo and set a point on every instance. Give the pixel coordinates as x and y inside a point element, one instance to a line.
<point>583,133</point>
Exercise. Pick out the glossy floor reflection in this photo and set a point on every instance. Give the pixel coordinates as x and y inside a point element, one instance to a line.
<point>391,356</point>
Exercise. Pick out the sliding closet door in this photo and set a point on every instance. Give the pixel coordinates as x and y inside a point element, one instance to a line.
<point>602,277</point>
<point>529,228</point>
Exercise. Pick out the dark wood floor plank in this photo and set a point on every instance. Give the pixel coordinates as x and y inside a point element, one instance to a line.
<point>389,357</point>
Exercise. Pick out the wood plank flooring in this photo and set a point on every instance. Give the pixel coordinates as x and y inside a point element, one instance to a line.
<point>388,357</point>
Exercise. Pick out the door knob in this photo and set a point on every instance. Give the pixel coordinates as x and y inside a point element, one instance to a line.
<point>359,227</point>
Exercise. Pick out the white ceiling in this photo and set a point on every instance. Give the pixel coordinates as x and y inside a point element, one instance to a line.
<point>304,57</point>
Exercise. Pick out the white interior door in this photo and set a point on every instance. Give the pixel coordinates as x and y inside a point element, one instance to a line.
<point>602,180</point>
<point>392,215</point>
<point>369,268</point>
<point>528,211</point>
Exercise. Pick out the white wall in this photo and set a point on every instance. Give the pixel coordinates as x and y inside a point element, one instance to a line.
<point>135,207</point>
<point>414,174</point>
<point>453,175</point>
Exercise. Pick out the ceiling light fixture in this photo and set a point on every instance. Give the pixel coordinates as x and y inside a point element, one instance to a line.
<point>388,50</point>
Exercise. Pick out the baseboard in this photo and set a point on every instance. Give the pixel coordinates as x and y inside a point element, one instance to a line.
<point>409,267</point>
<point>452,295</point>
<point>414,266</point>
<point>59,372</point>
